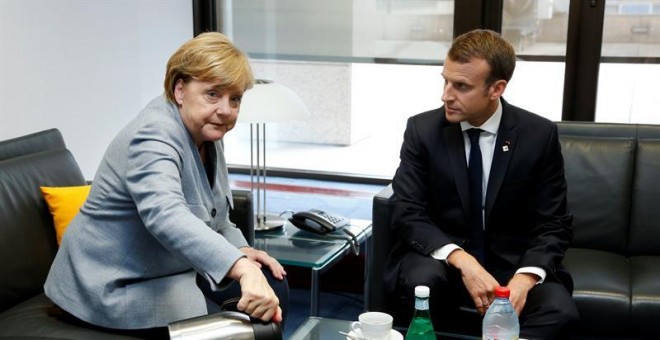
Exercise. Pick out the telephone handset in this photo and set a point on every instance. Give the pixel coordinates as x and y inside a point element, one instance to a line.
<point>318,221</point>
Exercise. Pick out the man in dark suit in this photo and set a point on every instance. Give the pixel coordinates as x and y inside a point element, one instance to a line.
<point>480,199</point>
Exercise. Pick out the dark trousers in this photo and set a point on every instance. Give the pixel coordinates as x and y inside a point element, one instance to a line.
<point>217,301</point>
<point>157,333</point>
<point>548,313</point>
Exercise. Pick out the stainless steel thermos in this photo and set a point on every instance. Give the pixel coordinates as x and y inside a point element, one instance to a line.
<point>224,325</point>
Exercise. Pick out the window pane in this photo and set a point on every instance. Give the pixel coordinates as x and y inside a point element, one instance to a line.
<point>392,29</point>
<point>538,87</point>
<point>536,27</point>
<point>381,97</point>
<point>631,29</point>
<point>324,51</point>
<point>628,93</point>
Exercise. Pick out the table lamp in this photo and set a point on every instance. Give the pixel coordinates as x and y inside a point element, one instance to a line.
<point>266,102</point>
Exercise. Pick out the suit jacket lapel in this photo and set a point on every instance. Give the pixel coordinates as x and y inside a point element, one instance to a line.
<point>456,148</point>
<point>222,175</point>
<point>504,149</point>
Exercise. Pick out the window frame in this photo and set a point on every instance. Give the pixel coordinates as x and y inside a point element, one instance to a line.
<point>582,58</point>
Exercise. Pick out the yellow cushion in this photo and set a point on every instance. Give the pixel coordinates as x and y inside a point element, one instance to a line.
<point>64,203</point>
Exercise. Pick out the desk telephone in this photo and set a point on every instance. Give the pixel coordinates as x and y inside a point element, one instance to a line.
<point>318,221</point>
<point>322,223</point>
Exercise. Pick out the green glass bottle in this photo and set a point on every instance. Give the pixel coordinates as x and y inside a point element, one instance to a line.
<point>421,327</point>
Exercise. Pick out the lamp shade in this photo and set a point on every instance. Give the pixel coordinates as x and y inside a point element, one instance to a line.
<point>270,102</point>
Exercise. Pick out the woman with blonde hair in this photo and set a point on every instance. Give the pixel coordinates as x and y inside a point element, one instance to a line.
<point>153,242</point>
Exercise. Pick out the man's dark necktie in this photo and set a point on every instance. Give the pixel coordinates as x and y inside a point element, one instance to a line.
<point>475,170</point>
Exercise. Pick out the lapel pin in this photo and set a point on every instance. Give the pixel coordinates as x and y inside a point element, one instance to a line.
<point>505,148</point>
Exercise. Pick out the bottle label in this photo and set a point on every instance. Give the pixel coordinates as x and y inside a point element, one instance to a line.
<point>422,304</point>
<point>501,321</point>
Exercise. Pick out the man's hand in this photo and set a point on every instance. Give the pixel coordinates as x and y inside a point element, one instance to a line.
<point>257,297</point>
<point>478,282</point>
<point>519,285</point>
<point>262,258</point>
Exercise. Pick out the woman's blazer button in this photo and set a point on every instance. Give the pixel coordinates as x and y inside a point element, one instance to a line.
<point>213,212</point>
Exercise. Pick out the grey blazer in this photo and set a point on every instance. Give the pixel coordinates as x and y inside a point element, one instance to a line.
<point>151,222</point>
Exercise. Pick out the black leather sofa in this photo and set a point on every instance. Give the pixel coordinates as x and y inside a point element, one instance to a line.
<point>27,234</point>
<point>613,175</point>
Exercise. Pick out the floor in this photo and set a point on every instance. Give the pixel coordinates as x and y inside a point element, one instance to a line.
<point>348,199</point>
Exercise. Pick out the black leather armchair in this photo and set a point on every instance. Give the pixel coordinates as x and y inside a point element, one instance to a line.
<point>27,234</point>
<point>613,189</point>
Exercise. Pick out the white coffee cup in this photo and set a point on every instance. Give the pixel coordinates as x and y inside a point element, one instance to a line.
<point>373,325</point>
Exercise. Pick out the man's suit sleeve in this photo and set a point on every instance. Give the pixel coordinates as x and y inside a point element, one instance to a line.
<point>410,219</point>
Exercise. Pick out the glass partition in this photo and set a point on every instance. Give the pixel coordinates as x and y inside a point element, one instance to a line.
<point>627,90</point>
<point>536,27</point>
<point>364,66</point>
<point>631,29</point>
<point>358,30</point>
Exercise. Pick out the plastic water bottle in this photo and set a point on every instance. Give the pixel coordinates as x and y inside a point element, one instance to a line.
<point>501,320</point>
<point>421,327</point>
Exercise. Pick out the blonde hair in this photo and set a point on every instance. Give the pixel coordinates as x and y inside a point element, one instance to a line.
<point>209,57</point>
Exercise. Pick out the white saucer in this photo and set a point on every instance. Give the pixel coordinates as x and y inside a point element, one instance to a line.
<point>394,335</point>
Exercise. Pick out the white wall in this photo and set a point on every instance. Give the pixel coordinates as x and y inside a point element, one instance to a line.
<point>84,67</point>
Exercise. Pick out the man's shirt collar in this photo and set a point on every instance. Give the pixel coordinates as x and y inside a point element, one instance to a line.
<point>491,125</point>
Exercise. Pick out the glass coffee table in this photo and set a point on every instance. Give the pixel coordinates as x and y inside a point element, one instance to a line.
<point>316,328</point>
<point>294,247</point>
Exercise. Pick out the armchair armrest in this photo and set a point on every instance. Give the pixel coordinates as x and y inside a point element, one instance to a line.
<point>41,141</point>
<point>381,243</point>
<point>243,213</point>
